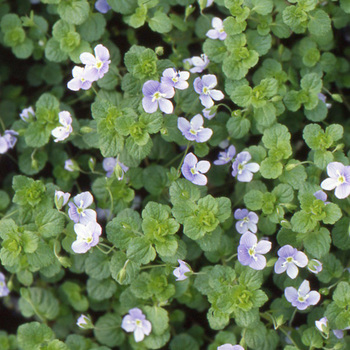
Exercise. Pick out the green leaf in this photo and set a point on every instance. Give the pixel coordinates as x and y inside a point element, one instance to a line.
<point>345,5</point>
<point>141,251</point>
<point>296,18</point>
<point>160,22</point>
<point>258,44</point>
<point>284,193</point>
<point>53,51</point>
<point>253,200</point>
<point>262,7</point>
<point>108,331</point>
<point>74,296</point>
<point>31,335</point>
<point>311,83</point>
<point>341,295</point>
<point>238,127</point>
<point>318,243</point>
<point>124,7</point>
<point>23,50</point>
<point>270,168</point>
<point>154,179</point>
<point>255,335</point>
<point>303,222</point>
<point>50,223</point>
<point>28,191</point>
<point>158,317</point>
<point>312,338</point>
<point>340,234</point>
<point>9,22</point>
<point>275,135</point>
<point>182,190</point>
<point>137,19</point>
<point>101,289</point>
<point>97,265</point>
<point>123,270</point>
<point>320,23</point>
<point>75,12</point>
<point>31,162</point>
<point>333,214</point>
<point>38,301</point>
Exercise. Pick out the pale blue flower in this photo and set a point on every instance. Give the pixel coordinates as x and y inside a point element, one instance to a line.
<point>156,95</point>
<point>175,79</point>
<point>247,221</point>
<point>230,347</point>
<point>87,236</point>
<point>113,165</point>
<point>27,114</point>
<point>102,6</point>
<point>339,179</point>
<point>226,156</point>
<point>78,211</point>
<point>198,63</point>
<point>218,31</point>
<point>8,141</point>
<point>289,260</point>
<point>193,170</point>
<point>61,199</point>
<point>303,297</point>
<point>205,88</point>
<point>250,251</point>
<point>136,322</point>
<point>96,66</point>
<point>80,80</point>
<point>243,169</point>
<point>4,291</point>
<point>193,130</point>
<point>62,132</point>
<point>181,272</point>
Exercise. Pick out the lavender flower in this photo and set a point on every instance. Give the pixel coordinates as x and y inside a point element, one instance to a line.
<point>242,169</point>
<point>322,326</point>
<point>102,6</point>
<point>205,88</point>
<point>315,266</point>
<point>302,298</point>
<point>247,221</point>
<point>112,165</point>
<point>136,322</point>
<point>230,347</point>
<point>193,170</point>
<point>198,63</point>
<point>156,94</point>
<point>61,199</point>
<point>250,251</point>
<point>322,196</point>
<point>8,141</point>
<point>225,156</point>
<point>193,130</point>
<point>27,114</point>
<point>218,32</point>
<point>71,165</point>
<point>84,322</point>
<point>62,132</point>
<point>77,211</point>
<point>289,259</point>
<point>339,178</point>
<point>180,272</point>
<point>96,66</point>
<point>323,98</point>
<point>209,113</point>
<point>4,291</point>
<point>79,80</point>
<point>175,79</point>
<point>87,236</point>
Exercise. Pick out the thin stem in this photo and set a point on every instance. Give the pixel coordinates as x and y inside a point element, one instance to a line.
<point>112,204</point>
<point>292,318</point>
<point>10,214</point>
<point>151,266</point>
<point>183,158</point>
<point>289,337</point>
<point>224,105</point>
<point>231,257</point>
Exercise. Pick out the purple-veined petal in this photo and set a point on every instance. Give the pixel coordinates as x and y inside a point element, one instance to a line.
<point>280,267</point>
<point>334,169</point>
<point>197,122</point>
<point>85,198</point>
<point>212,34</point>
<point>304,288</point>
<point>74,84</point>
<point>148,105</point>
<point>102,53</point>
<point>200,180</point>
<point>87,216</point>
<point>91,74</point>
<point>138,334</point>
<point>203,166</point>
<point>183,125</point>
<point>128,323</point>
<point>150,87</point>
<point>198,85</point>
<point>301,259</point>
<point>253,167</point>
<point>87,58</point>
<point>167,90</point>
<point>216,95</point>
<point>206,101</point>
<point>146,327</point>
<point>259,263</point>
<point>166,106</point>
<point>263,247</point>
<point>241,214</point>
<point>248,239</point>
<point>204,135</point>
<point>80,247</point>
<point>292,270</point>
<point>169,72</point>
<point>291,294</point>
<point>245,176</point>
<point>243,157</point>
<point>216,22</point>
<point>329,184</point>
<point>314,297</point>
<point>209,80</point>
<point>342,191</point>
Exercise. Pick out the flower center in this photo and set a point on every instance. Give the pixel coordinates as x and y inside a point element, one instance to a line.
<point>301,299</point>
<point>240,168</point>
<point>157,96</point>
<point>251,252</point>
<point>99,64</point>
<point>206,91</point>
<point>138,323</point>
<point>88,239</point>
<point>341,179</point>
<point>194,170</point>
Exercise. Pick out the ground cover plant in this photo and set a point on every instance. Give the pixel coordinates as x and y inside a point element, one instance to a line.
<point>175,174</point>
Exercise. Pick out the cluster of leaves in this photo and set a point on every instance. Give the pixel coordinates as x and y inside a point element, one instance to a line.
<point>277,58</point>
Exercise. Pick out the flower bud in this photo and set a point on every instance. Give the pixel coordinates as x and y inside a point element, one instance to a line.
<point>84,322</point>
<point>314,266</point>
